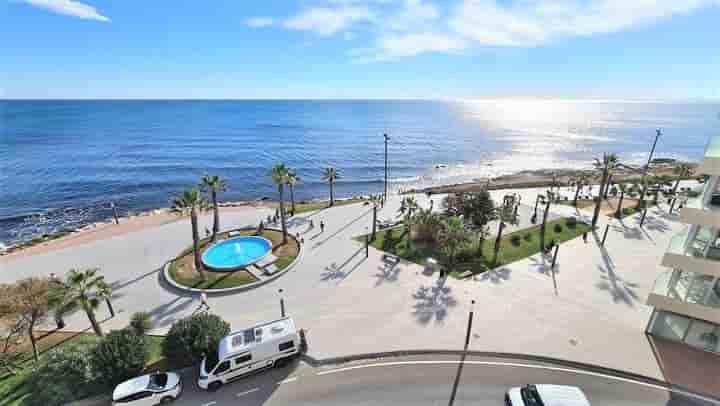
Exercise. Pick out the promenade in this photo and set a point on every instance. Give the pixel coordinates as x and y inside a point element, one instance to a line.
<point>592,311</point>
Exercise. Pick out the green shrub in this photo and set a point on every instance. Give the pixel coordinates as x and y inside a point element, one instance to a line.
<point>63,375</point>
<point>571,222</point>
<point>527,237</point>
<point>557,228</point>
<point>119,356</point>
<point>628,210</point>
<point>140,323</point>
<point>515,240</point>
<point>191,337</point>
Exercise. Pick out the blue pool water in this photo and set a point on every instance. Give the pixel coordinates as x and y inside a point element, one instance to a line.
<point>236,252</point>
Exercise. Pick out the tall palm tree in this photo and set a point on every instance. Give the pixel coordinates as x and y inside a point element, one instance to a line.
<point>292,180</point>
<point>580,180</point>
<point>331,175</point>
<point>506,215</point>
<point>214,185</point>
<point>453,236</point>
<point>279,175</point>
<point>623,188</point>
<point>191,201</point>
<point>682,170</point>
<point>606,166</point>
<point>87,289</point>
<point>548,200</point>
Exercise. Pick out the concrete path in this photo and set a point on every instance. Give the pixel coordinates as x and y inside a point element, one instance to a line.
<point>592,311</point>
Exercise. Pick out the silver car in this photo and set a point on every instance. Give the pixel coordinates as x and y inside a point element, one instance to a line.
<point>148,390</point>
<point>546,395</point>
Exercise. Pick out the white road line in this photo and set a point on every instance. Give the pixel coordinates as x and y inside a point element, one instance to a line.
<point>516,364</point>
<point>247,392</point>
<point>293,379</point>
<point>209,403</point>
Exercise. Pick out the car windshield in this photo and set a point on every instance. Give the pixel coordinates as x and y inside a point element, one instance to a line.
<point>530,396</point>
<point>157,381</point>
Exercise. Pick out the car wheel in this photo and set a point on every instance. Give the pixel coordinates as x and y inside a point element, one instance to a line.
<point>166,400</point>
<point>214,386</point>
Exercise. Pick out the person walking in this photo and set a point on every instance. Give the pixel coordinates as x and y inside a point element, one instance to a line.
<point>585,237</point>
<point>203,302</point>
<point>312,224</point>
<point>322,226</point>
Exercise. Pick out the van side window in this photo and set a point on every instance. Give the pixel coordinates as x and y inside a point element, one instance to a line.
<point>286,346</point>
<point>224,366</point>
<point>134,397</point>
<point>242,359</point>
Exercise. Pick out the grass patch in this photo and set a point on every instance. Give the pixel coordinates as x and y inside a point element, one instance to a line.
<point>182,269</point>
<point>319,205</point>
<point>16,389</point>
<point>512,248</point>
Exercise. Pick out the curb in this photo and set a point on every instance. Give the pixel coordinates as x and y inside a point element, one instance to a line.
<point>169,280</point>
<point>314,362</point>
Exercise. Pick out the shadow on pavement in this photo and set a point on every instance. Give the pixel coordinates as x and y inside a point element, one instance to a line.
<point>433,303</point>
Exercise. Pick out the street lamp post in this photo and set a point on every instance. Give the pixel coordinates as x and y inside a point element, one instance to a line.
<point>658,133</point>
<point>115,213</point>
<point>282,303</point>
<point>385,136</point>
<point>539,199</point>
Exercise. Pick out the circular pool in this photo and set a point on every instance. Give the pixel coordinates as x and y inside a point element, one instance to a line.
<point>234,253</point>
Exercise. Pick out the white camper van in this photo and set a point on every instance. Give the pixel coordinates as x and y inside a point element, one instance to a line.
<point>242,352</point>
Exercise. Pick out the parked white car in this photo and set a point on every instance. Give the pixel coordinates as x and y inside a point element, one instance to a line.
<point>148,390</point>
<point>546,395</point>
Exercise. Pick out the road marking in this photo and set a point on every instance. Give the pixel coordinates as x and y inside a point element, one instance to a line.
<point>209,403</point>
<point>293,379</point>
<point>517,364</point>
<point>247,392</point>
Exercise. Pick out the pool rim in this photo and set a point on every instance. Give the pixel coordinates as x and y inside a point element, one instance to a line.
<point>235,267</point>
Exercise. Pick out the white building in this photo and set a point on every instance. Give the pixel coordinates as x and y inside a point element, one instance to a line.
<point>686,298</point>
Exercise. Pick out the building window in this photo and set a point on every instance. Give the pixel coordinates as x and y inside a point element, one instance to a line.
<point>670,326</point>
<point>703,335</point>
<point>696,333</point>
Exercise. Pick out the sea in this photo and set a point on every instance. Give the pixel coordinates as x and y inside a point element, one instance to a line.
<point>63,162</point>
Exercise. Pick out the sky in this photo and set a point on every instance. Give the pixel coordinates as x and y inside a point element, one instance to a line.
<point>430,49</point>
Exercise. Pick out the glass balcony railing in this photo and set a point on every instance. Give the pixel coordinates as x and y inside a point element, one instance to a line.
<point>712,149</point>
<point>704,243</point>
<point>677,242</point>
<point>689,287</point>
<point>709,188</point>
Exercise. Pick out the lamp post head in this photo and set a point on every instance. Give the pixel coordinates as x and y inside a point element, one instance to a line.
<point>386,137</point>
<point>658,132</point>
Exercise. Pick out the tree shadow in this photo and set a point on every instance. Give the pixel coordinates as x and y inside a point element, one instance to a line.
<point>388,272</point>
<point>335,272</point>
<point>621,291</point>
<point>432,303</point>
<point>341,229</point>
<point>633,233</point>
<point>496,275</point>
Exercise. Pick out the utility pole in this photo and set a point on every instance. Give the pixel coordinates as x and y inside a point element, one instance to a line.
<point>386,166</point>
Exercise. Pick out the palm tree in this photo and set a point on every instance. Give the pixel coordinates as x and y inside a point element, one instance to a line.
<point>331,175</point>
<point>548,200</point>
<point>507,214</point>
<point>292,180</point>
<point>191,201</point>
<point>606,166</point>
<point>580,180</point>
<point>87,289</point>
<point>683,170</point>
<point>623,188</point>
<point>214,185</point>
<point>453,236</point>
<point>280,174</point>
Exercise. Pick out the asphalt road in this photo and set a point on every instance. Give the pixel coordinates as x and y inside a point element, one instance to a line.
<point>420,381</point>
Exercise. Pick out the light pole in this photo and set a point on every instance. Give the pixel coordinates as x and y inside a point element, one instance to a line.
<point>658,133</point>
<point>386,166</point>
<point>539,199</point>
<point>282,303</point>
<point>115,214</point>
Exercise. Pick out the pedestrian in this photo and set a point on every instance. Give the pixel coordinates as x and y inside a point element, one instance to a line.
<point>207,232</point>
<point>585,237</point>
<point>322,226</point>
<point>312,224</point>
<point>297,236</point>
<point>203,302</point>
<point>302,240</point>
<point>277,213</point>
<point>269,218</point>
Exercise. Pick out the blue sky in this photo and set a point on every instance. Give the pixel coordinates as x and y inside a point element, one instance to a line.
<point>615,49</point>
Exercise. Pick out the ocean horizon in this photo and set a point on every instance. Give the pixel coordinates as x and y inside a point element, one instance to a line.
<point>64,161</point>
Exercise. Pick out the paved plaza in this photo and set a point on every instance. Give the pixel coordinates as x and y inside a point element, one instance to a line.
<point>591,311</point>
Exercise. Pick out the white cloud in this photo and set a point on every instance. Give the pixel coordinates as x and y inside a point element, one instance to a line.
<point>328,20</point>
<point>69,8</point>
<point>394,46</point>
<point>259,22</point>
<point>536,22</point>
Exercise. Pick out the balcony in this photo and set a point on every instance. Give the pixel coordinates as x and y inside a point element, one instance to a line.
<point>711,160</point>
<point>705,208</point>
<point>695,249</point>
<point>687,293</point>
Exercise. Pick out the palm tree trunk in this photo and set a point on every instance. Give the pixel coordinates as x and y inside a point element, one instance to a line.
<point>496,249</point>
<point>332,193</point>
<point>542,227</point>
<point>93,321</point>
<point>292,198</point>
<point>675,188</point>
<point>216,216</point>
<point>196,243</point>
<point>374,225</point>
<point>596,213</point>
<point>618,212</point>
<point>282,213</point>
<point>577,192</point>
